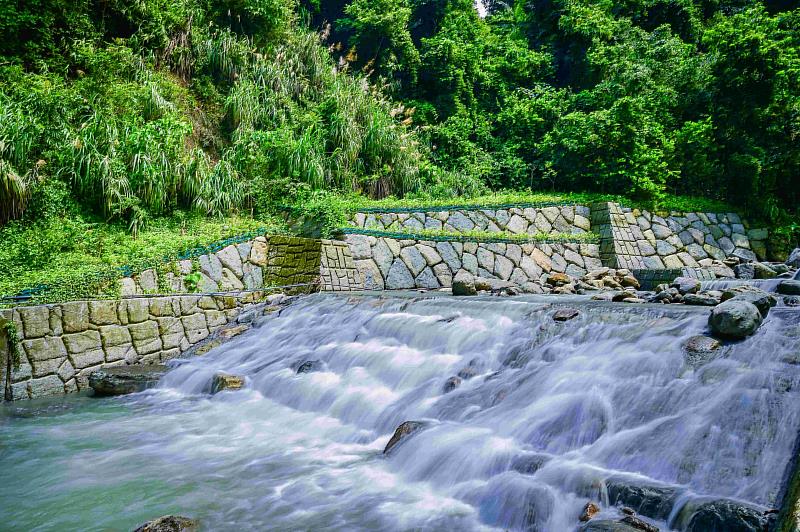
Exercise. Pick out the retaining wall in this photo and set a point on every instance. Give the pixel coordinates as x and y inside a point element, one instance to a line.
<point>390,264</point>
<point>518,220</point>
<point>63,343</point>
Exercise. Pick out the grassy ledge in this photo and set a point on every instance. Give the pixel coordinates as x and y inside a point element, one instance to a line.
<point>477,236</point>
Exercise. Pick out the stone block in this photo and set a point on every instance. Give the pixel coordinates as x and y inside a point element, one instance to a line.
<point>148,281</point>
<point>171,332</point>
<point>229,281</point>
<point>230,258</point>
<point>50,347</point>
<point>77,343</point>
<point>45,386</point>
<point>215,319</point>
<point>195,326</point>
<point>145,337</point>
<point>163,306</point>
<point>66,371</point>
<point>103,312</point>
<point>35,321</point>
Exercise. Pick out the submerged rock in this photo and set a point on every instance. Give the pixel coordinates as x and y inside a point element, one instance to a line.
<point>404,431</point>
<point>225,381</point>
<point>464,284</point>
<point>467,372</point>
<point>724,515</point>
<point>451,384</point>
<point>169,523</point>
<point>310,366</point>
<point>121,380</point>
<point>735,319</point>
<point>528,464</point>
<point>565,314</point>
<point>233,331</point>
<point>789,288</point>
<point>639,524</point>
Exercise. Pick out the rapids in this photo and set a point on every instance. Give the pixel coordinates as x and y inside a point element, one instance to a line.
<point>551,411</point>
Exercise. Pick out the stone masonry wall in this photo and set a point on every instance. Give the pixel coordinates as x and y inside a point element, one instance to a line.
<point>251,265</point>
<point>338,271</point>
<point>547,220</point>
<point>63,343</point>
<point>693,239</point>
<point>387,263</point>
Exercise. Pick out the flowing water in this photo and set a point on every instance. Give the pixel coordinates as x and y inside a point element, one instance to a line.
<point>552,411</point>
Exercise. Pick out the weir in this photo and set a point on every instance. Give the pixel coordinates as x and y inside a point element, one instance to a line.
<point>523,421</point>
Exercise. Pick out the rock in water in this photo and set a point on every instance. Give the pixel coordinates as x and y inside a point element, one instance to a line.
<point>744,271</point>
<point>565,314</point>
<point>169,523</point>
<point>639,524</point>
<point>789,288</point>
<point>607,525</point>
<point>406,429</point>
<point>464,284</point>
<point>121,380</point>
<point>735,319</point>
<point>762,271</point>
<point>724,515</point>
<point>686,285</point>
<point>762,300</point>
<point>589,511</point>
<point>649,499</point>
<point>224,381</point>
<point>700,299</point>
<point>451,384</point>
<point>309,365</point>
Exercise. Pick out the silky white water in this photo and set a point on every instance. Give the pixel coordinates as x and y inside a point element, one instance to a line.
<point>552,410</point>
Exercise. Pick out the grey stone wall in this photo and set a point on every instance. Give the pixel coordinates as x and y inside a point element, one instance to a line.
<point>338,272</point>
<point>63,343</point>
<point>694,239</point>
<point>263,261</point>
<point>390,264</point>
<point>547,220</point>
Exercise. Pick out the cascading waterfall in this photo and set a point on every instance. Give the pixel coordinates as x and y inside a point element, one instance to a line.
<point>548,415</point>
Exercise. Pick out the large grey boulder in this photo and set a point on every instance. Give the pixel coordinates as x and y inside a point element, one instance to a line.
<point>735,319</point>
<point>745,271</point>
<point>169,523</point>
<point>464,284</point>
<point>724,515</point>
<point>789,288</point>
<point>763,271</point>
<point>762,300</point>
<point>794,258</point>
<point>121,380</point>
<point>647,498</point>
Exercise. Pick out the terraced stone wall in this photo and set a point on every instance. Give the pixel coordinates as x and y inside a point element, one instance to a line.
<point>693,239</point>
<point>391,264</point>
<point>63,343</point>
<point>251,265</point>
<point>518,220</point>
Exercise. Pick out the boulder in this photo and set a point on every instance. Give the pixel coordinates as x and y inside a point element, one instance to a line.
<point>649,499</point>
<point>744,271</point>
<point>629,281</point>
<point>121,380</point>
<point>762,300</point>
<point>492,285</point>
<point>464,284</point>
<point>558,279</point>
<point>565,314</point>
<point>451,384</point>
<point>724,515</point>
<point>794,258</point>
<point>589,511</point>
<point>686,285</point>
<point>700,299</point>
<point>230,332</point>
<point>403,432</point>
<point>225,381</point>
<point>638,524</point>
<point>735,319</point>
<point>607,525</point>
<point>722,270</point>
<point>762,271</point>
<point>789,288</point>
<point>791,301</point>
<point>467,372</point>
<point>169,523</point>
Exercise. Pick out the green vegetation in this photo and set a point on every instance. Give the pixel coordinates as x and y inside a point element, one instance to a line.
<point>117,119</point>
<point>474,236</point>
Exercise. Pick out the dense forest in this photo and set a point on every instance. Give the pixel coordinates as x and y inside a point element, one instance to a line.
<point>130,111</point>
